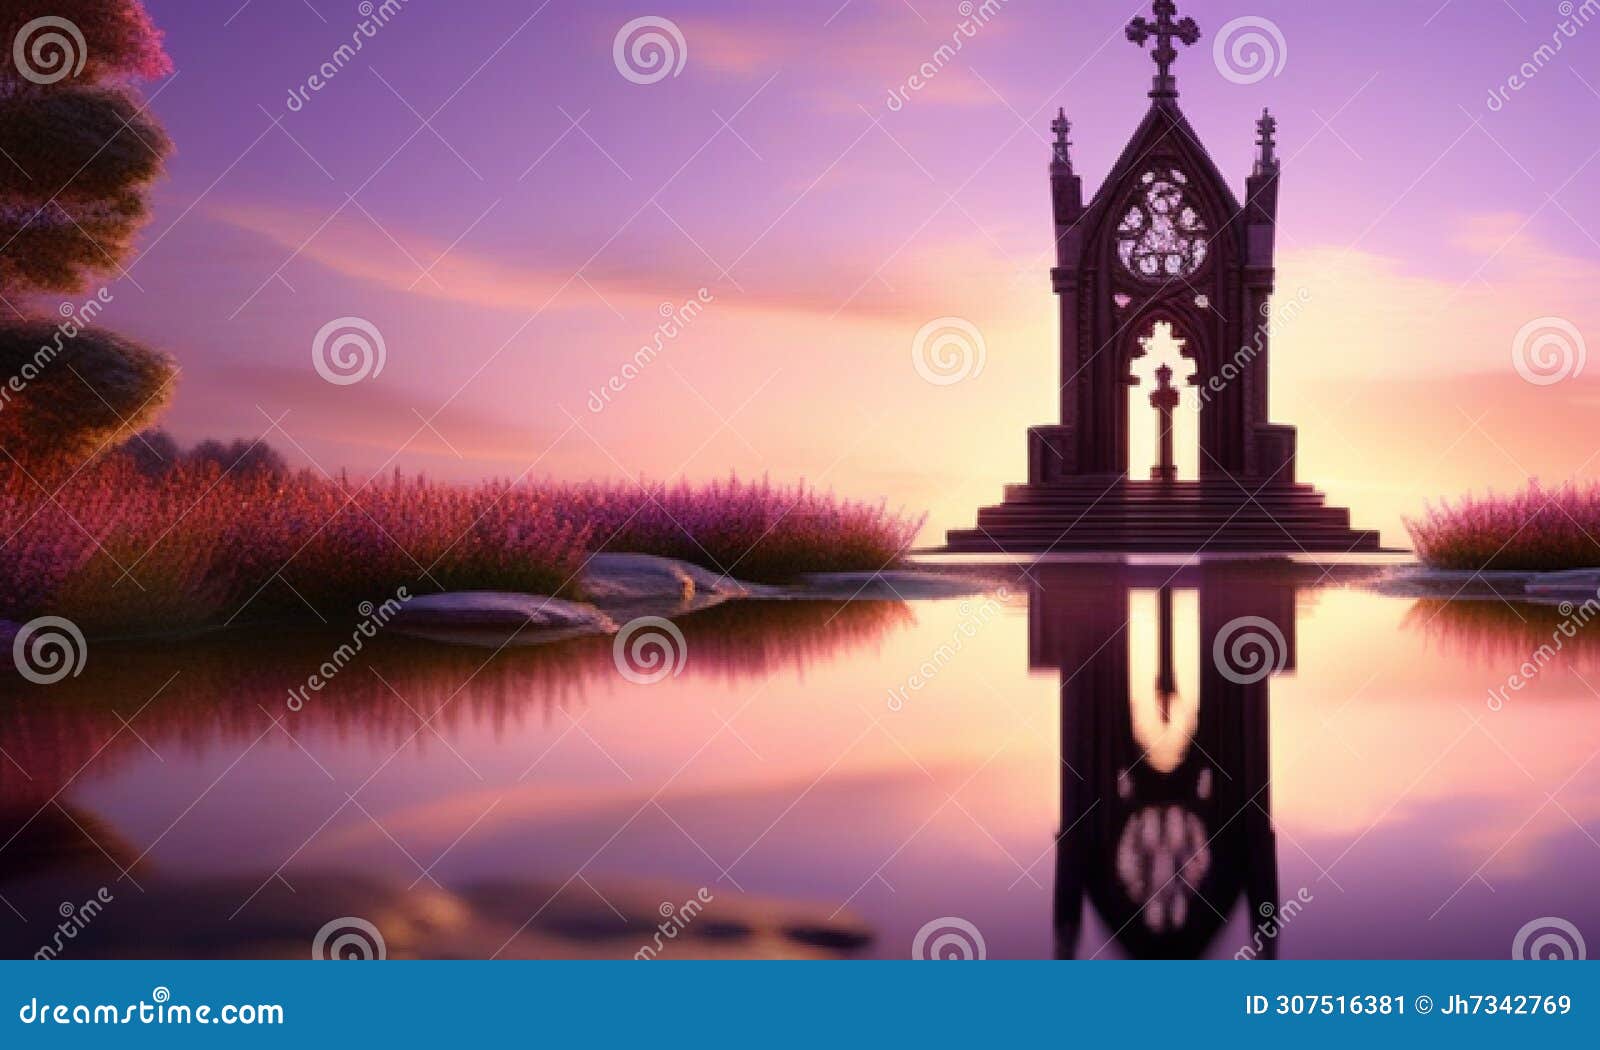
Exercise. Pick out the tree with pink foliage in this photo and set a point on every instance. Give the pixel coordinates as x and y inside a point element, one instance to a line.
<point>78,154</point>
<point>119,39</point>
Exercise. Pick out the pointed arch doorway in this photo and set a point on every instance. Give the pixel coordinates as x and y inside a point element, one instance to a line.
<point>1163,408</point>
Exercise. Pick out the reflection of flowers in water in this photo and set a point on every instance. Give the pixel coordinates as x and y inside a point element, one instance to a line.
<point>1161,857</point>
<point>212,691</point>
<point>1506,634</point>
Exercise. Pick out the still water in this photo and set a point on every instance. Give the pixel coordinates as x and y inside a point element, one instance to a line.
<point>1089,761</point>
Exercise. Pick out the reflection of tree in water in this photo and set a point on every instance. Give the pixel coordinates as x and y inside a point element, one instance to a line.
<point>198,694</point>
<point>224,691</point>
<point>59,843</point>
<point>1500,632</point>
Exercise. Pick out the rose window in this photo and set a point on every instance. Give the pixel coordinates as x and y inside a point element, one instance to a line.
<point>1162,236</point>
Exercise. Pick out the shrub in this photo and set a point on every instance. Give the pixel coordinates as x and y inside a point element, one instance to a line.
<point>1535,529</point>
<point>119,548</point>
<point>751,531</point>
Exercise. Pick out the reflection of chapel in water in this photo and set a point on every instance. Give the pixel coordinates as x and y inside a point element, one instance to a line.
<point>1166,831</point>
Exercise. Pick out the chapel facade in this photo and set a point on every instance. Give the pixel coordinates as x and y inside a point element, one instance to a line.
<point>1164,248</point>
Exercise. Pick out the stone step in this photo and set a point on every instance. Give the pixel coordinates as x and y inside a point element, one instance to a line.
<point>1161,515</point>
<point>1141,531</point>
<point>1036,494</point>
<point>1214,514</point>
<point>1111,506</point>
<point>1100,483</point>
<point>1105,530</point>
<point>968,541</point>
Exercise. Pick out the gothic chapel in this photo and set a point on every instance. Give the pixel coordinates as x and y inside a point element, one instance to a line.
<point>1164,252</point>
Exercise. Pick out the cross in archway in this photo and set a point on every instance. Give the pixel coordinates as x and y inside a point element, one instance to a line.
<point>1164,398</point>
<point>1165,29</point>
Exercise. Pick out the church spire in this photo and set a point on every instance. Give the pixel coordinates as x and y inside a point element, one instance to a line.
<point>1165,29</point>
<point>1266,130</point>
<point>1061,151</point>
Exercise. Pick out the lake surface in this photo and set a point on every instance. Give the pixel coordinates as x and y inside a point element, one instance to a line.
<point>1090,761</point>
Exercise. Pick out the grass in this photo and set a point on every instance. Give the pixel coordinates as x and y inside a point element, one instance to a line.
<point>113,548</point>
<point>1536,529</point>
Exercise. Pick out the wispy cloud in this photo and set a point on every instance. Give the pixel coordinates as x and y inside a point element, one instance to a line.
<point>822,284</point>
<point>1372,315</point>
<point>857,57</point>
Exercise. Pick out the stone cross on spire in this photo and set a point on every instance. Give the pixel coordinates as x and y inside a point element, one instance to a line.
<point>1165,30</point>
<point>1266,129</point>
<point>1062,127</point>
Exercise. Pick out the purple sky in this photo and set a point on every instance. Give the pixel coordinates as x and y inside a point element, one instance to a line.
<point>827,228</point>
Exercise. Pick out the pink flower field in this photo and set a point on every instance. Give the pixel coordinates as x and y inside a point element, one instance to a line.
<point>1536,529</point>
<point>114,549</point>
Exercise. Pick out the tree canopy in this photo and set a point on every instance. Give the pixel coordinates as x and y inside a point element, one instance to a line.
<point>113,39</point>
<point>71,397</point>
<point>78,154</point>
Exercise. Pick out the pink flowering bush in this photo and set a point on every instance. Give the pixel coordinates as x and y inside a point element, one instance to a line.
<point>1536,529</point>
<point>745,530</point>
<point>115,548</point>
